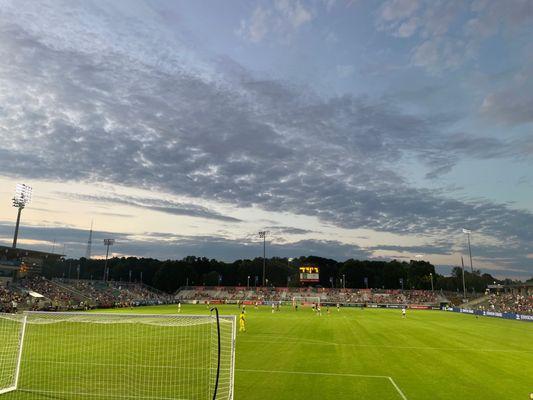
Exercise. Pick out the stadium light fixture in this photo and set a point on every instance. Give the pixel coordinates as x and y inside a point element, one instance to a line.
<point>107,243</point>
<point>21,199</point>
<point>263,235</point>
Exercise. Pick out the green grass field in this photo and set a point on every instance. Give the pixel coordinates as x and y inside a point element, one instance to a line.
<point>353,354</point>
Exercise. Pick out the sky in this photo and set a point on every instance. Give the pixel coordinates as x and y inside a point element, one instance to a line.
<point>346,129</point>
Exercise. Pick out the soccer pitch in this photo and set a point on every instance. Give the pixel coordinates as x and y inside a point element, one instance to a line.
<point>366,354</point>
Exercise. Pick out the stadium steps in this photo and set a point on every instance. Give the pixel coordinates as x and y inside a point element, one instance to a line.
<point>153,289</point>
<point>73,291</point>
<point>476,302</point>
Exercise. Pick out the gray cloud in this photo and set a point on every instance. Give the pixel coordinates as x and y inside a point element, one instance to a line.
<point>119,109</point>
<point>423,249</point>
<point>288,230</point>
<point>169,246</point>
<point>164,206</point>
<point>445,39</point>
<point>512,105</point>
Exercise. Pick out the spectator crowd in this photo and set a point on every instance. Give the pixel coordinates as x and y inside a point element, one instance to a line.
<point>39,293</point>
<point>510,302</point>
<point>325,295</point>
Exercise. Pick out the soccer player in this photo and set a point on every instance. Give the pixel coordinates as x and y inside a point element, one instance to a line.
<point>244,308</point>
<point>242,322</point>
<point>338,307</point>
<point>318,310</point>
<point>273,308</point>
<point>404,312</point>
<point>179,307</point>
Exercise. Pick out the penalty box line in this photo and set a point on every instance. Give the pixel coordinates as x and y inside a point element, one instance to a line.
<point>389,378</point>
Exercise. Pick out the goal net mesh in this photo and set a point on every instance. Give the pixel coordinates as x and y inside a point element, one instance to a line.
<point>10,336</point>
<point>115,356</point>
<point>305,300</point>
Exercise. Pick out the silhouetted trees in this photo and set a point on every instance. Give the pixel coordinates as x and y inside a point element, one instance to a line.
<point>169,275</point>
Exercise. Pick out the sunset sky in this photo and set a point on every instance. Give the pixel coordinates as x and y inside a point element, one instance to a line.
<point>347,129</point>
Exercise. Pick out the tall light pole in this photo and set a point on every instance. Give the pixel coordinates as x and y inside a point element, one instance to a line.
<point>289,259</point>
<point>248,282</point>
<point>464,285</point>
<point>344,281</point>
<point>431,277</point>
<point>467,232</point>
<point>263,235</point>
<point>21,199</point>
<point>107,243</point>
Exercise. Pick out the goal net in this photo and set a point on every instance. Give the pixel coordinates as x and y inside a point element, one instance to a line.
<point>118,356</point>
<point>305,300</point>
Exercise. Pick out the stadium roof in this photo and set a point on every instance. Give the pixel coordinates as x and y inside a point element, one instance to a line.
<point>11,253</point>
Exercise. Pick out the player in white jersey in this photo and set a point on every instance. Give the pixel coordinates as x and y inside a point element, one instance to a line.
<point>404,315</point>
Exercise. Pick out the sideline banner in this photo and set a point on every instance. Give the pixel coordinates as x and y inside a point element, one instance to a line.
<point>494,314</point>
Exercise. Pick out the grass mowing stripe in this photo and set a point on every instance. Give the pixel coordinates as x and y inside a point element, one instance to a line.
<point>314,343</point>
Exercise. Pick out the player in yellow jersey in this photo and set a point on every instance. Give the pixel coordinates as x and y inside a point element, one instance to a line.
<point>242,322</point>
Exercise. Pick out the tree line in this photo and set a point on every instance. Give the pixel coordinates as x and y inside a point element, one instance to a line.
<point>169,275</point>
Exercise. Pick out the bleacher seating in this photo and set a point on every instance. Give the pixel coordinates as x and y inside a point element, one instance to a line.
<point>508,302</point>
<point>326,295</point>
<point>66,294</point>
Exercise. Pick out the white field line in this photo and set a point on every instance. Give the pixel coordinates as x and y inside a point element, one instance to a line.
<point>394,385</point>
<point>397,388</point>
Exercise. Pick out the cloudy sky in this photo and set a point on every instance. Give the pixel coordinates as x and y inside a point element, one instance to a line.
<point>365,129</point>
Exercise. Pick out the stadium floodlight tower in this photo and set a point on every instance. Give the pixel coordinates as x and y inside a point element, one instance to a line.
<point>107,243</point>
<point>467,232</point>
<point>263,235</point>
<point>21,199</point>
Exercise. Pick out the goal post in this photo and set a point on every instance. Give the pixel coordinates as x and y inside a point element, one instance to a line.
<point>12,328</point>
<point>305,300</point>
<point>119,356</point>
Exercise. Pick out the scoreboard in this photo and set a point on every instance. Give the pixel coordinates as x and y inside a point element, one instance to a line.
<point>309,274</point>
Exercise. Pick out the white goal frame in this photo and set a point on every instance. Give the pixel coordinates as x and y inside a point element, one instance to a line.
<point>217,386</point>
<point>306,299</point>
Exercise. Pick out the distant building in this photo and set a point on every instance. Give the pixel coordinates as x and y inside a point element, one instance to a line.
<point>17,263</point>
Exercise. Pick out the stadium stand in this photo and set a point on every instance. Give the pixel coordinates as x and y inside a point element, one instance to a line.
<point>326,295</point>
<point>39,293</point>
<point>508,302</point>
